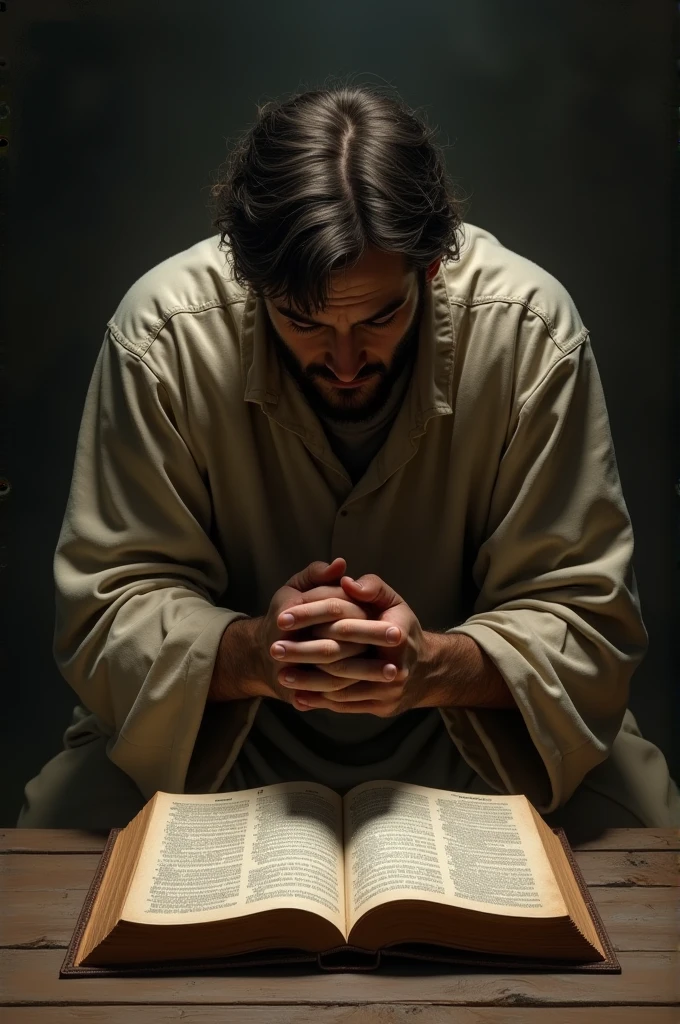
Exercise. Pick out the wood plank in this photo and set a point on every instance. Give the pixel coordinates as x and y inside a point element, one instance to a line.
<point>633,839</point>
<point>635,918</point>
<point>616,868</point>
<point>638,919</point>
<point>57,871</point>
<point>53,840</point>
<point>647,979</point>
<point>379,1013</point>
<point>640,868</point>
<point>42,920</point>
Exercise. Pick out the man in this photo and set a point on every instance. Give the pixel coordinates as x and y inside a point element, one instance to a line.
<point>347,508</point>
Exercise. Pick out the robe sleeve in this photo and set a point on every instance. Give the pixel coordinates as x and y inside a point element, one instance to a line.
<point>557,609</point>
<point>137,577</point>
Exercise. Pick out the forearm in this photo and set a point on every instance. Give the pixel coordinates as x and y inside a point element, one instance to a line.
<point>238,671</point>
<point>458,673</point>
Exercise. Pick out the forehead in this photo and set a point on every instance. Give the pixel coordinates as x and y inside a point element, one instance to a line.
<point>375,270</point>
<point>377,275</point>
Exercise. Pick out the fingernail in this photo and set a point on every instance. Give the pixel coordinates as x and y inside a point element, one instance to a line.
<point>278,650</point>
<point>393,634</point>
<point>390,671</point>
<point>289,679</point>
<point>287,620</point>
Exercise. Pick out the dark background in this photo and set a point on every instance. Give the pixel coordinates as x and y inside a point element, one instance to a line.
<point>558,124</point>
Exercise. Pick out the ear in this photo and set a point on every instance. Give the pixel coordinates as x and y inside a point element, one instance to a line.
<point>432,269</point>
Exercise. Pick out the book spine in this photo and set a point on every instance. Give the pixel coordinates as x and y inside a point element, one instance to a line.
<point>348,958</point>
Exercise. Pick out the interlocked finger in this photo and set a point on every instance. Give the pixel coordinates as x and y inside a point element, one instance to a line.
<point>314,612</point>
<point>363,690</point>
<point>358,631</point>
<point>315,652</point>
<point>340,674</point>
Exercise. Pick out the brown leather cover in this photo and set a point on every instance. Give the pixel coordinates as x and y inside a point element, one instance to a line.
<point>342,958</point>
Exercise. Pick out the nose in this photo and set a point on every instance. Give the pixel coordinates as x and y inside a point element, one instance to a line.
<point>346,359</point>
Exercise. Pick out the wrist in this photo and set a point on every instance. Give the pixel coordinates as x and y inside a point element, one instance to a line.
<point>238,672</point>
<point>459,673</point>
<point>434,670</point>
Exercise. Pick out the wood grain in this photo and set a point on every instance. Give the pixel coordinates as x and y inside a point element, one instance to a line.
<point>629,867</point>
<point>52,840</point>
<point>36,840</point>
<point>647,979</point>
<point>635,918</point>
<point>56,871</point>
<point>378,1013</point>
<point>633,839</point>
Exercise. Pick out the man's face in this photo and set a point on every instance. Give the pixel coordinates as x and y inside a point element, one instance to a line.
<point>346,358</point>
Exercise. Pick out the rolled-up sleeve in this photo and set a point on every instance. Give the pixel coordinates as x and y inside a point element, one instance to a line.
<point>137,576</point>
<point>557,609</point>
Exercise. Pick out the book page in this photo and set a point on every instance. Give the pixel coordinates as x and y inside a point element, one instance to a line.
<point>406,841</point>
<point>495,859</point>
<point>296,852</point>
<point>390,846</point>
<point>222,855</point>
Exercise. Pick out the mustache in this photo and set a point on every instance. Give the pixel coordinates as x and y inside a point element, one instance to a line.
<point>318,370</point>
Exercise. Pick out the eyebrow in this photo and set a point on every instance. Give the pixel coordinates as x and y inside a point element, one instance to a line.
<point>389,307</point>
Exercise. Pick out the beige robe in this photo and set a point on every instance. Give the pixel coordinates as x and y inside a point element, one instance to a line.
<point>203,480</point>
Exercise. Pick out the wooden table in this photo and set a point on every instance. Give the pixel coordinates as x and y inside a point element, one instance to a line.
<point>634,875</point>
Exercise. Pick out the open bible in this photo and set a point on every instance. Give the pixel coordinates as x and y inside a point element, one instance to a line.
<point>294,872</point>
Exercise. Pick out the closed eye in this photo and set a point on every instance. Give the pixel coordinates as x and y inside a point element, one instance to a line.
<point>307,330</point>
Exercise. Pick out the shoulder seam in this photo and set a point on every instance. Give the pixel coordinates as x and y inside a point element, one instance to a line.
<point>180,426</point>
<point>139,348</point>
<point>121,340</point>
<point>563,346</point>
<point>539,384</point>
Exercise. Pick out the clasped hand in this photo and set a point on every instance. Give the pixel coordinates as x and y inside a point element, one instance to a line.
<point>361,652</point>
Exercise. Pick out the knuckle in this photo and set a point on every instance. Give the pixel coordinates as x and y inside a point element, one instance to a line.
<point>334,606</point>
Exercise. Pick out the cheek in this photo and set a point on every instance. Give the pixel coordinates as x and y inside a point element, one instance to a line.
<point>384,347</point>
<point>305,350</point>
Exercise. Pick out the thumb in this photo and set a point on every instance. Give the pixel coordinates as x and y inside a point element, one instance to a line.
<point>370,589</point>
<point>316,573</point>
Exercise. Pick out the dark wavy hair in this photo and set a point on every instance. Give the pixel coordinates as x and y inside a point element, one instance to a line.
<point>324,174</point>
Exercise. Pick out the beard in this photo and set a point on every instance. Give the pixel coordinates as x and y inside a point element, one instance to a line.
<point>352,405</point>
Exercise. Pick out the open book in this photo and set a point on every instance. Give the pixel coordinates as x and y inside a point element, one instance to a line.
<point>407,869</point>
